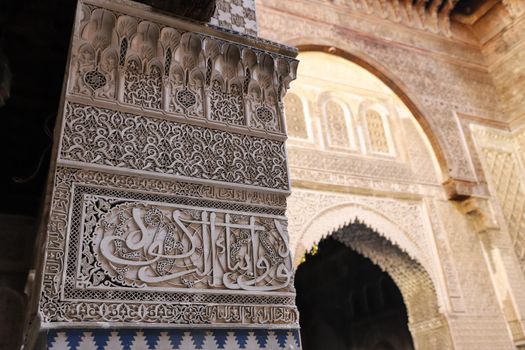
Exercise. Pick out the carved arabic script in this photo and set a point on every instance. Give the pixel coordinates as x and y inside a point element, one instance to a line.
<point>143,245</point>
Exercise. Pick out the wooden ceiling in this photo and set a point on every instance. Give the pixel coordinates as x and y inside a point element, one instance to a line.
<point>468,7</point>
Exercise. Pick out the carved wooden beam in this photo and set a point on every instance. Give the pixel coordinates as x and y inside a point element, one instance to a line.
<point>201,10</point>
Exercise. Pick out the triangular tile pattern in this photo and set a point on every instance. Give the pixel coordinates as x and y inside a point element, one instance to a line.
<point>101,337</point>
<point>154,339</point>
<point>220,336</point>
<point>164,342</point>
<point>87,342</point>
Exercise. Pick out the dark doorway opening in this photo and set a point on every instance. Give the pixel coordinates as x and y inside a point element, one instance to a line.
<point>346,302</point>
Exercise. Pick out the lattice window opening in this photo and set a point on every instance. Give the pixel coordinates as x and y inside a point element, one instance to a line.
<point>123,52</point>
<point>298,125</point>
<point>338,126</point>
<point>378,133</point>
<point>167,61</point>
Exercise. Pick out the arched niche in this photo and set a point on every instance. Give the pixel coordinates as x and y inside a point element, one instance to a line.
<point>341,95</point>
<point>386,245</point>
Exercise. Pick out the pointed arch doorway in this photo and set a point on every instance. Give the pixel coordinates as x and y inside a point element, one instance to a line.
<point>357,290</point>
<point>348,302</point>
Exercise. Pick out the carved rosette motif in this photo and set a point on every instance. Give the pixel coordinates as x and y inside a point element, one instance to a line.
<point>169,193</point>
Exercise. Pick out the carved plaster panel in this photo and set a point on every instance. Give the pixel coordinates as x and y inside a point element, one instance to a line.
<point>110,138</point>
<point>376,132</point>
<point>118,255</point>
<point>478,332</point>
<point>465,248</point>
<point>446,259</point>
<point>296,122</point>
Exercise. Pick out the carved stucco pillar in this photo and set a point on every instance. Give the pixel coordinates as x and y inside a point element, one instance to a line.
<point>165,225</point>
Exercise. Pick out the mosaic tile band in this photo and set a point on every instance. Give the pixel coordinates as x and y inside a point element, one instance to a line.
<point>155,339</point>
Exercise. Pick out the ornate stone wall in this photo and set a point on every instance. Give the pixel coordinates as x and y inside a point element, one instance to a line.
<point>168,187</point>
<point>169,178</point>
<point>439,75</point>
<point>501,158</point>
<point>397,194</point>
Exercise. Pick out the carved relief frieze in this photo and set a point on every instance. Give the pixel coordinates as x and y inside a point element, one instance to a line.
<point>363,184</point>
<point>136,256</point>
<point>147,65</point>
<point>302,158</point>
<point>275,203</point>
<point>110,138</point>
<point>420,175</point>
<point>149,246</point>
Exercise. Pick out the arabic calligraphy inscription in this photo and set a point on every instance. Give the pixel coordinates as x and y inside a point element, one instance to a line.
<point>142,245</point>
